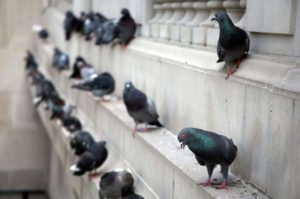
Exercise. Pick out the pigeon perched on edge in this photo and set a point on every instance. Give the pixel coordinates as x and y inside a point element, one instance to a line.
<point>70,24</point>
<point>141,108</point>
<point>81,141</point>
<point>126,27</point>
<point>103,84</point>
<point>117,184</point>
<point>210,149</point>
<point>41,31</point>
<point>233,43</point>
<point>60,60</point>
<point>91,159</point>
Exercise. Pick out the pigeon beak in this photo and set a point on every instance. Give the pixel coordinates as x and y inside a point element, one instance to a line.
<point>213,19</point>
<point>74,168</point>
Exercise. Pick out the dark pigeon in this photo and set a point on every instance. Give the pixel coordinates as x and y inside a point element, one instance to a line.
<point>31,64</point>
<point>81,141</point>
<point>126,27</point>
<point>210,149</point>
<point>91,159</point>
<point>117,184</point>
<point>71,123</point>
<point>103,84</point>
<point>60,60</point>
<point>233,43</point>
<point>141,108</point>
<point>76,67</point>
<point>79,23</point>
<point>70,24</point>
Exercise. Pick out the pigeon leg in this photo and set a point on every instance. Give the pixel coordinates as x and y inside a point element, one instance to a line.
<point>229,72</point>
<point>93,175</point>
<point>224,171</point>
<point>210,169</point>
<point>134,130</point>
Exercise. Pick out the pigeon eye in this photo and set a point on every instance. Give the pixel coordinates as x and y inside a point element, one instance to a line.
<point>183,136</point>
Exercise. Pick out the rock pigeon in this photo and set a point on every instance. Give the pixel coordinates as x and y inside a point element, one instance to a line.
<point>45,91</point>
<point>141,108</point>
<point>103,84</point>
<point>88,26</point>
<point>60,60</point>
<point>210,149</point>
<point>233,43</point>
<point>117,184</point>
<point>70,24</point>
<point>126,27</point>
<point>71,123</point>
<point>79,24</point>
<point>107,32</point>
<point>81,141</point>
<point>91,159</point>
<point>76,67</point>
<point>30,64</point>
<point>41,31</point>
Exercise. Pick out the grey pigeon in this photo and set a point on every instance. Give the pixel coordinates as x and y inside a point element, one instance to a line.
<point>103,84</point>
<point>126,27</point>
<point>141,108</point>
<point>210,149</point>
<point>88,26</point>
<point>91,159</point>
<point>107,32</point>
<point>117,184</point>
<point>233,43</point>
<point>60,60</point>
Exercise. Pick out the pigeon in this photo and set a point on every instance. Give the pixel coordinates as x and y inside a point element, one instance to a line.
<point>60,60</point>
<point>141,108</point>
<point>79,24</point>
<point>88,26</point>
<point>103,84</point>
<point>30,64</point>
<point>71,123</point>
<point>107,32</point>
<point>41,31</point>
<point>117,184</point>
<point>59,112</point>
<point>76,67</point>
<point>126,27</point>
<point>91,159</point>
<point>210,149</point>
<point>70,24</point>
<point>45,91</point>
<point>81,141</point>
<point>233,43</point>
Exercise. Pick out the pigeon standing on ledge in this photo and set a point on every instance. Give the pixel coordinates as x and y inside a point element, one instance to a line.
<point>91,159</point>
<point>42,32</point>
<point>141,108</point>
<point>210,149</point>
<point>233,44</point>
<point>126,28</point>
<point>117,184</point>
<point>60,60</point>
<point>70,24</point>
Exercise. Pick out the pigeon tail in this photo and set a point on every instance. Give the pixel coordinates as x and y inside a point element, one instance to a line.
<point>156,123</point>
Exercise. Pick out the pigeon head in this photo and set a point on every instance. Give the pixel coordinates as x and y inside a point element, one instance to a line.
<point>127,87</point>
<point>69,13</point>
<point>222,17</point>
<point>125,12</point>
<point>184,137</point>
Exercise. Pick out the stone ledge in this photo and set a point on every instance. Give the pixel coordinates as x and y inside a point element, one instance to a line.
<point>185,170</point>
<point>264,71</point>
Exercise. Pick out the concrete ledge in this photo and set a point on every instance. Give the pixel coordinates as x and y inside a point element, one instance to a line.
<point>177,172</point>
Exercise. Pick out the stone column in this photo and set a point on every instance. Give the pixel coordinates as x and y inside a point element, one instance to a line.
<point>79,6</point>
<point>241,22</point>
<point>146,32</point>
<point>201,13</point>
<point>188,16</point>
<point>167,13</point>
<point>211,31</point>
<point>165,29</point>
<point>233,9</point>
